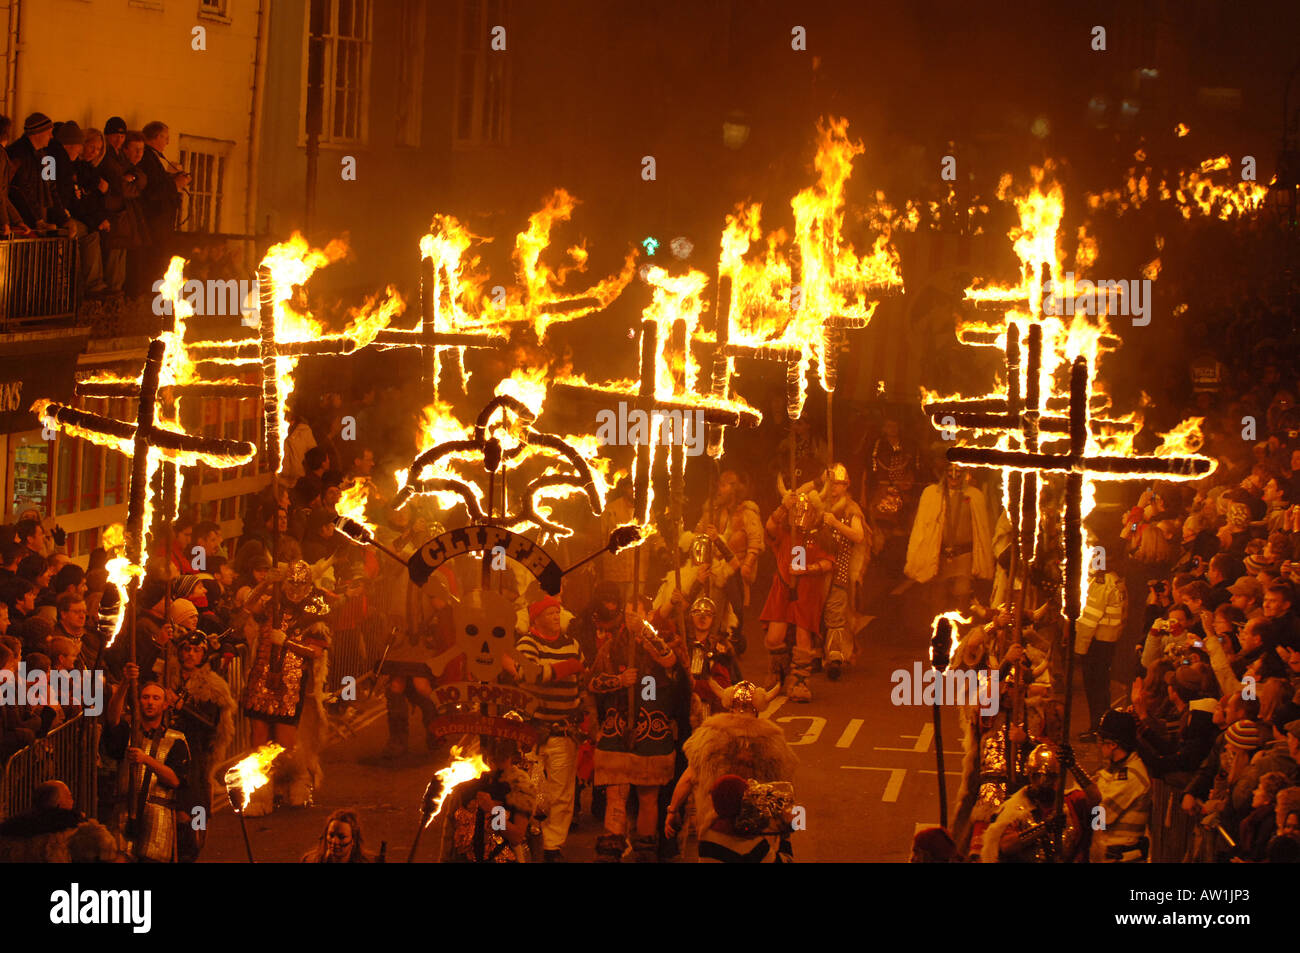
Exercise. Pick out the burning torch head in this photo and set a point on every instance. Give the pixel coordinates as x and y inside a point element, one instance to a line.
<point>297,585</point>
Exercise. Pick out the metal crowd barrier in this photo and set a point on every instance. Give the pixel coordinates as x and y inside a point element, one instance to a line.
<point>1171,829</point>
<point>39,280</point>
<point>69,754</point>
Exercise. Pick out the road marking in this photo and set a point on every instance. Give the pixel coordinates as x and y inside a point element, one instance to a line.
<point>813,731</point>
<point>892,786</point>
<point>773,707</point>
<point>957,773</point>
<point>850,733</point>
<point>923,742</point>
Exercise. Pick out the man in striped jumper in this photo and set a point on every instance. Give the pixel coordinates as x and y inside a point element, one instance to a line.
<point>552,666</point>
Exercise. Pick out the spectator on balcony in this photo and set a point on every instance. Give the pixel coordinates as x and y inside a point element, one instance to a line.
<point>102,202</point>
<point>162,195</point>
<point>131,227</point>
<point>28,189</point>
<point>84,222</point>
<point>11,223</point>
<point>115,141</point>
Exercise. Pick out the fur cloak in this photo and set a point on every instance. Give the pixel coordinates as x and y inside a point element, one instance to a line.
<point>55,837</point>
<point>754,748</point>
<point>312,725</point>
<point>206,685</point>
<point>926,541</point>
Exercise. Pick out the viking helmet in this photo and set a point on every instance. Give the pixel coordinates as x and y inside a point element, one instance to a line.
<point>839,473</point>
<point>701,551</point>
<point>1043,760</point>
<point>745,698</point>
<point>704,604</point>
<point>299,582</point>
<point>805,515</point>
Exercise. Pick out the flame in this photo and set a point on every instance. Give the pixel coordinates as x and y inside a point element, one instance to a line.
<point>1194,192</point>
<point>767,309</point>
<point>460,770</point>
<point>249,774</point>
<point>541,284</point>
<point>352,502</point>
<point>955,618</point>
<point>373,316</point>
<point>1181,130</point>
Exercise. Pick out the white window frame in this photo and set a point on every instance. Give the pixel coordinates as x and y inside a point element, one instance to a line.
<point>331,38</point>
<point>413,24</point>
<point>220,150</point>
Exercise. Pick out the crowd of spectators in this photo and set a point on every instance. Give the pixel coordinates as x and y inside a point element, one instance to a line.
<point>114,192</point>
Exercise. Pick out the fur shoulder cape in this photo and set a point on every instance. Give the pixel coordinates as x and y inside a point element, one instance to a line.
<point>206,685</point>
<point>754,748</point>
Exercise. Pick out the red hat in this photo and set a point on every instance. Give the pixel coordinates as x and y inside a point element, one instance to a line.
<point>728,794</point>
<point>540,606</point>
<point>935,843</point>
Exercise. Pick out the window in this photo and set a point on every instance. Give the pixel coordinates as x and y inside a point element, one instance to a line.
<point>410,72</point>
<point>482,76</point>
<point>214,9</point>
<point>205,161</point>
<point>338,43</point>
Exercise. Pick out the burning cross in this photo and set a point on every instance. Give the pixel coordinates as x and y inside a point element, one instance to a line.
<point>426,337</point>
<point>659,389</point>
<point>277,357</point>
<point>146,442</point>
<point>833,290</point>
<point>1079,465</point>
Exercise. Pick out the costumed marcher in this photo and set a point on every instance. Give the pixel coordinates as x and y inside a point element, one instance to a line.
<point>850,549</point>
<point>713,664</point>
<point>797,594</point>
<point>950,545</point>
<point>340,842</point>
<point>636,742</point>
<point>551,665</point>
<point>1026,828</point>
<point>987,737</point>
<point>708,573</point>
<point>405,663</point>
<point>204,712</point>
<point>737,744</point>
<point>473,832</point>
<point>156,770</point>
<point>735,521</point>
<point>284,691</point>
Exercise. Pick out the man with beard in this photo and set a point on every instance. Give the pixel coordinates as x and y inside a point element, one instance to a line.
<point>285,683</point>
<point>158,760</point>
<point>1025,829</point>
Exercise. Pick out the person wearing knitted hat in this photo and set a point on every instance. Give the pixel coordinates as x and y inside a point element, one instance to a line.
<point>29,190</point>
<point>551,665</point>
<point>114,138</point>
<point>11,223</point>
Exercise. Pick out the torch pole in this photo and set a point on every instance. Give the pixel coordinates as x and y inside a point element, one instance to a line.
<point>1079,429</point>
<point>938,757</point>
<point>678,488</point>
<point>243,829</point>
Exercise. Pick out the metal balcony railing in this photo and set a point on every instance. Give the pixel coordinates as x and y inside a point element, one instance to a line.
<point>40,281</point>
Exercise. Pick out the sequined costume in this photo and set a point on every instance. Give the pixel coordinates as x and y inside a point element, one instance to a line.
<point>650,757</point>
<point>280,679</point>
<point>470,835</point>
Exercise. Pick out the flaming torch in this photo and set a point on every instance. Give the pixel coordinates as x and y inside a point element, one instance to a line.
<point>443,782</point>
<point>943,639</point>
<point>244,778</point>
